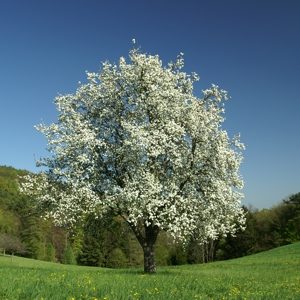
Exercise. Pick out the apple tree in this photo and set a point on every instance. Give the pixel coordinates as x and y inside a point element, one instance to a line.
<point>136,140</point>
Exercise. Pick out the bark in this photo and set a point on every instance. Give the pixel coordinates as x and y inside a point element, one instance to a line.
<point>151,233</point>
<point>147,236</point>
<point>149,258</point>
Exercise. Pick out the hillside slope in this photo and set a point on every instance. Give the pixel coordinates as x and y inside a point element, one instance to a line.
<point>8,186</point>
<point>273,274</point>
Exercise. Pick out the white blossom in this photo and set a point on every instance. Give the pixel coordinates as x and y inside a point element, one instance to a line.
<point>137,140</point>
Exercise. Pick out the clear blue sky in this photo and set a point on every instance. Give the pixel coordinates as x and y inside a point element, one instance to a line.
<point>250,48</point>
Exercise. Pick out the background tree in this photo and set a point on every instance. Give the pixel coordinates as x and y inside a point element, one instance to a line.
<point>92,243</point>
<point>135,140</point>
<point>50,253</point>
<point>104,235</point>
<point>289,215</point>
<point>11,244</point>
<point>69,257</point>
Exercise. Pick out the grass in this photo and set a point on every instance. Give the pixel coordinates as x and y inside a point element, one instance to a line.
<point>274,274</point>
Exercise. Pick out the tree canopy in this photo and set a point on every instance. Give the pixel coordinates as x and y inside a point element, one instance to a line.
<point>136,140</point>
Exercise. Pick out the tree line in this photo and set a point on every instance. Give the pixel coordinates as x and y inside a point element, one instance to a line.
<point>108,242</point>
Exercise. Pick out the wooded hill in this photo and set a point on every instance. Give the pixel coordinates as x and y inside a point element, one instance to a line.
<point>109,242</point>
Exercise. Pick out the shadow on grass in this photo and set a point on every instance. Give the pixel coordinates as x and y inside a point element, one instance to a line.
<point>161,271</point>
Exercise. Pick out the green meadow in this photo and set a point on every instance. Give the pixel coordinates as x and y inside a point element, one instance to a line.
<point>274,274</point>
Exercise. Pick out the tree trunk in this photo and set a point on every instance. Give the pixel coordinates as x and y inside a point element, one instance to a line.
<point>151,233</point>
<point>147,236</point>
<point>149,258</point>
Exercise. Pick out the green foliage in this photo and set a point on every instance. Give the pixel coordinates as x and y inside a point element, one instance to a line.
<point>76,240</point>
<point>291,217</point>
<point>20,219</point>
<point>9,192</point>
<point>269,275</point>
<point>9,222</point>
<point>11,244</point>
<point>58,237</point>
<point>168,252</point>
<point>294,200</point>
<point>116,259</point>
<point>265,229</point>
<point>103,236</point>
<point>69,257</point>
<point>91,254</point>
<point>133,250</point>
<point>33,237</point>
<point>109,242</point>
<point>50,253</point>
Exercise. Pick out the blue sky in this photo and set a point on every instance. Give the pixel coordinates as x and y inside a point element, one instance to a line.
<point>250,48</point>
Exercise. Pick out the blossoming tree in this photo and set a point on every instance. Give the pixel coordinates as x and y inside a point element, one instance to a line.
<point>136,140</point>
